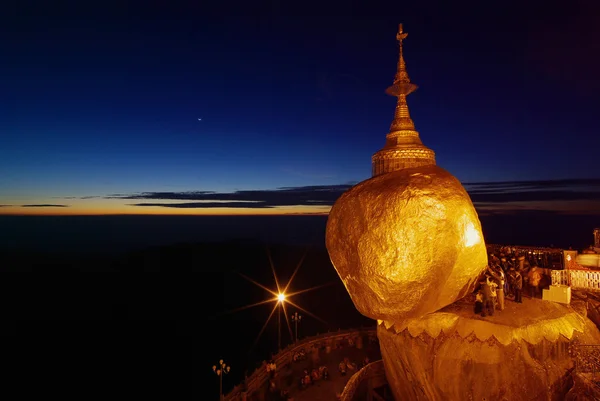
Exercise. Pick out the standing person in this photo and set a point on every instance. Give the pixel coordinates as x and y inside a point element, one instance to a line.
<point>499,276</point>
<point>493,285</point>
<point>510,276</point>
<point>488,300</point>
<point>500,290</point>
<point>534,281</point>
<point>518,287</point>
<point>478,302</point>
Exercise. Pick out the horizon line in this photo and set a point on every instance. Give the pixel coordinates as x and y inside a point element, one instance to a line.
<point>159,214</point>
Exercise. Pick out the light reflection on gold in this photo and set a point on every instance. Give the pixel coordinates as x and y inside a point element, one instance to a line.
<point>472,236</point>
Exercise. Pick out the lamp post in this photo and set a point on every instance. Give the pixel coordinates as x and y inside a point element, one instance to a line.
<point>296,318</point>
<point>280,300</point>
<point>220,370</point>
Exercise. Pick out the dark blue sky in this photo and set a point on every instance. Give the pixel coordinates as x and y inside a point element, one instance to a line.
<point>106,100</point>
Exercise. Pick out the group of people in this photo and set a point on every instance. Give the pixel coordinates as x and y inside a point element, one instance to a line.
<point>314,376</point>
<point>309,369</point>
<point>493,289</point>
<point>505,278</point>
<point>276,393</point>
<point>299,355</point>
<point>544,258</point>
<point>345,365</point>
<point>271,368</point>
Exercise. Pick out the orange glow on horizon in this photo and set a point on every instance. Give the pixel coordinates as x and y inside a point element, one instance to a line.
<point>102,206</point>
<point>105,207</point>
<point>157,211</point>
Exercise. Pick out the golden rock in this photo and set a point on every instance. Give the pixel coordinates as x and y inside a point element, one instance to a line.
<point>406,243</point>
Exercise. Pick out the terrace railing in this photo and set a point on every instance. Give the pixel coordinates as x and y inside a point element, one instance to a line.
<point>581,279</point>
<point>374,371</point>
<point>253,383</point>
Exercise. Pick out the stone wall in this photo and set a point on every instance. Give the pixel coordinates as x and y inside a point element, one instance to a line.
<point>358,386</point>
<point>589,260</point>
<point>591,301</point>
<point>583,389</point>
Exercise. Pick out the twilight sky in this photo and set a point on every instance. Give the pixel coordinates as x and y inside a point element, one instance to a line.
<point>100,107</point>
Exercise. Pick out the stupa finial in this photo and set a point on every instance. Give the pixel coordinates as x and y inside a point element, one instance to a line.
<point>402,84</point>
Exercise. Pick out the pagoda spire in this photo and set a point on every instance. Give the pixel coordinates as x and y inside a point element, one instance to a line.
<point>401,88</point>
<point>403,148</point>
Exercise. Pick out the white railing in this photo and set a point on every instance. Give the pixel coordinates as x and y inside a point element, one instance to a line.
<point>585,279</point>
<point>589,280</point>
<point>560,277</point>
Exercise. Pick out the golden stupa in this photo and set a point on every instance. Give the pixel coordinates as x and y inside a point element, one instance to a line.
<point>407,241</point>
<point>403,147</point>
<point>408,246</point>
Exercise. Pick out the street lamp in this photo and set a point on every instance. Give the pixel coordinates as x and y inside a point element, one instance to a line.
<point>220,370</point>
<point>280,300</point>
<point>296,318</point>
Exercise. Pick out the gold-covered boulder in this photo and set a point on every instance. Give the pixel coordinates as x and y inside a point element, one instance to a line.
<point>406,243</point>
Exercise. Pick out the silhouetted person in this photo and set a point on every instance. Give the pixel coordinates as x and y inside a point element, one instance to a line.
<point>518,287</point>
<point>478,302</point>
<point>342,368</point>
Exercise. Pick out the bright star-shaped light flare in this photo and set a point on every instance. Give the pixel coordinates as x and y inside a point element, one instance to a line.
<point>281,297</point>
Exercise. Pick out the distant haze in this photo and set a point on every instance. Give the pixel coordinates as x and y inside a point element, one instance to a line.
<point>112,234</point>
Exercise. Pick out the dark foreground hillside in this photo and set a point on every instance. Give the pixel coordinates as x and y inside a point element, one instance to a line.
<point>153,322</point>
<point>149,321</point>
